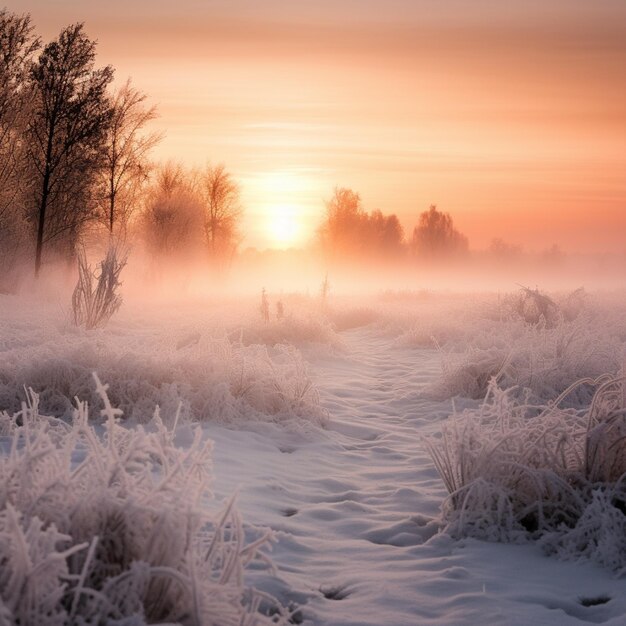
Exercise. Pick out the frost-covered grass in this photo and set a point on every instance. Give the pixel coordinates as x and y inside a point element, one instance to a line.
<point>150,356</point>
<point>585,341</point>
<point>438,321</point>
<point>515,469</point>
<point>212,378</point>
<point>345,503</point>
<point>295,329</point>
<point>536,358</point>
<point>290,319</point>
<point>115,528</point>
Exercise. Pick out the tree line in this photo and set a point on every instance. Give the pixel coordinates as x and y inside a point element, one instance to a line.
<point>76,164</point>
<point>348,231</point>
<point>75,159</point>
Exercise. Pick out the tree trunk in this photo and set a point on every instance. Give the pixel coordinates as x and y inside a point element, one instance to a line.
<point>42,221</point>
<point>111,206</point>
<point>45,191</point>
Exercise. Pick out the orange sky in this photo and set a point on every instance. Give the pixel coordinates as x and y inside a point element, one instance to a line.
<point>511,115</point>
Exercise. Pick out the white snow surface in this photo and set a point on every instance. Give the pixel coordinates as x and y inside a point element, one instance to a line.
<point>355,511</point>
<point>354,500</point>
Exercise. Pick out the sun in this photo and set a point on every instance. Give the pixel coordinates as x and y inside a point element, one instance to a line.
<point>281,202</point>
<point>283,225</point>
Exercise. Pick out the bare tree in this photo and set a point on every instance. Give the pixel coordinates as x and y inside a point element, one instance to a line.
<point>126,156</point>
<point>345,218</point>
<point>222,211</point>
<point>386,234</point>
<point>66,132</point>
<point>436,237</point>
<point>172,219</point>
<point>350,232</point>
<point>17,45</point>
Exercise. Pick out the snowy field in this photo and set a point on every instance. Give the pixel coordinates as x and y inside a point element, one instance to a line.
<point>323,424</point>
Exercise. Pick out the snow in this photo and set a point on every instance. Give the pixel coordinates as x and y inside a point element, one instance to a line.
<point>333,462</point>
<point>355,509</point>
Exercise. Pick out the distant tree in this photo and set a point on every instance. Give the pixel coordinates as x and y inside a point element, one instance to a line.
<point>126,155</point>
<point>66,133</point>
<point>552,255</point>
<point>17,45</point>
<point>342,229</point>
<point>436,237</point>
<point>350,232</point>
<point>172,219</point>
<point>504,251</point>
<point>222,212</point>
<point>387,232</point>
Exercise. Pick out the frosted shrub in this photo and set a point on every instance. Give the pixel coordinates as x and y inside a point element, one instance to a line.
<point>605,443</point>
<point>214,378</point>
<point>599,534</point>
<point>294,329</point>
<point>532,306</point>
<point>574,304</point>
<point>515,469</point>
<point>96,296</point>
<point>536,358</point>
<point>527,339</point>
<point>116,529</point>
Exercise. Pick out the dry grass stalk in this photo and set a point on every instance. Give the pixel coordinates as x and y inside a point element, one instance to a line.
<point>96,295</point>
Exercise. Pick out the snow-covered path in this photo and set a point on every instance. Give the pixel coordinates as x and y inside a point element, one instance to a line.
<point>353,507</point>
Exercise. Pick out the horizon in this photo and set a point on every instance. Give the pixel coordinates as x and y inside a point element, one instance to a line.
<point>509,118</point>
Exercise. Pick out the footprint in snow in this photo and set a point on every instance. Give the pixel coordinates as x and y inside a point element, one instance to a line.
<point>335,592</point>
<point>597,600</point>
<point>289,512</point>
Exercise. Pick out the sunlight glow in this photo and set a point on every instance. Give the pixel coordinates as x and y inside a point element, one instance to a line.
<point>279,204</point>
<point>283,225</point>
<point>282,183</point>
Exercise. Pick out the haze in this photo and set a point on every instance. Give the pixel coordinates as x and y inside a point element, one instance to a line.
<point>312,312</point>
<point>509,116</point>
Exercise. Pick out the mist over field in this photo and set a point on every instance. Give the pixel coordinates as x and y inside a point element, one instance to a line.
<point>384,436</point>
<point>280,384</point>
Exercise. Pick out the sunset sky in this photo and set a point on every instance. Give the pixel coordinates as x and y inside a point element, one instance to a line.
<point>510,115</point>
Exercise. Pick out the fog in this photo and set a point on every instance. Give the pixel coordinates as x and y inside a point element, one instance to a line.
<point>303,271</point>
<point>413,414</point>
